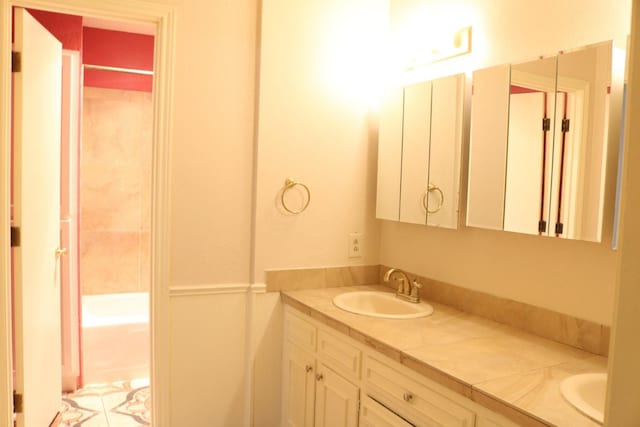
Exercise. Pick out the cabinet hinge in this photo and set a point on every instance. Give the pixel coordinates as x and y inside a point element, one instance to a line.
<point>546,124</point>
<point>16,62</point>
<point>566,124</point>
<point>542,226</point>
<point>17,403</point>
<point>15,237</point>
<point>559,228</point>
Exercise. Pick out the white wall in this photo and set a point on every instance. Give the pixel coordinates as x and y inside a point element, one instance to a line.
<point>208,338</point>
<point>318,72</point>
<point>571,277</point>
<point>624,370</point>
<point>211,178</point>
<point>213,141</point>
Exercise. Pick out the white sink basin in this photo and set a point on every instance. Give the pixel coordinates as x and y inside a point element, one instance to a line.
<point>381,304</point>
<point>587,393</point>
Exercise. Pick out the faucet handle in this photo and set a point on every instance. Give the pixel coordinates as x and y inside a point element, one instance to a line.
<point>415,287</point>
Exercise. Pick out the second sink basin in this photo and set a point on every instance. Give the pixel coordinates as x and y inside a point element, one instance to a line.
<point>587,393</point>
<point>381,304</point>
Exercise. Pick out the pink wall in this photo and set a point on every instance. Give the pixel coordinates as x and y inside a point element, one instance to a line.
<point>117,49</point>
<point>115,191</point>
<point>66,28</point>
<point>103,47</point>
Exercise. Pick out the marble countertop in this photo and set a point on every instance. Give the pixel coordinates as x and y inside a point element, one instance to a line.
<point>509,371</point>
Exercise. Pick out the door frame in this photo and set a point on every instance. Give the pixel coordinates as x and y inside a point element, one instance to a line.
<point>163,16</point>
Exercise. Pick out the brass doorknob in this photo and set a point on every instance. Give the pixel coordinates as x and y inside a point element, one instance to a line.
<point>61,251</point>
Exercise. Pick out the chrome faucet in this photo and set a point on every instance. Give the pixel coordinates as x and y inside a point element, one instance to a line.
<point>407,289</point>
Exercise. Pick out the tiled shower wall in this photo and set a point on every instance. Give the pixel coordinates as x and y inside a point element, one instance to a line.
<point>115,191</point>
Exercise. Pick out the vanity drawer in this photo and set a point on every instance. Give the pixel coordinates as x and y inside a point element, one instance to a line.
<point>300,332</point>
<point>339,354</point>
<point>413,399</point>
<point>373,414</point>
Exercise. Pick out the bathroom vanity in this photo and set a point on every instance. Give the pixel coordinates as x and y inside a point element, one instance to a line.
<point>449,369</point>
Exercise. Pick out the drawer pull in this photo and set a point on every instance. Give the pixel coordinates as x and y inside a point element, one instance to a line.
<point>308,368</point>
<point>407,396</point>
<point>319,377</point>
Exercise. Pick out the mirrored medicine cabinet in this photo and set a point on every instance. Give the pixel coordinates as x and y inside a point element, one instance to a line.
<point>419,152</point>
<point>538,148</point>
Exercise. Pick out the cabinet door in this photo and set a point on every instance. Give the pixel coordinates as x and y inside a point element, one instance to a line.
<point>336,400</point>
<point>488,147</point>
<point>298,387</point>
<point>445,151</point>
<point>373,414</point>
<point>416,130</point>
<point>390,155</point>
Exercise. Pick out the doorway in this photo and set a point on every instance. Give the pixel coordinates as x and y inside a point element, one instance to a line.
<point>137,11</point>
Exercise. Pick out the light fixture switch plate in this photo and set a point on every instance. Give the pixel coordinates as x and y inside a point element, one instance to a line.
<point>356,246</point>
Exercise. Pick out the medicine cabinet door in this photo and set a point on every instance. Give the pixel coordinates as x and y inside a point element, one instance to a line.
<point>445,151</point>
<point>488,147</point>
<point>416,132</point>
<point>390,155</point>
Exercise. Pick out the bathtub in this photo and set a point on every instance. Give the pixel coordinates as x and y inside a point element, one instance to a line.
<point>115,337</point>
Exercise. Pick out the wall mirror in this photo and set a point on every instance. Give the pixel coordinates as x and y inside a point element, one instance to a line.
<point>419,152</point>
<point>539,134</point>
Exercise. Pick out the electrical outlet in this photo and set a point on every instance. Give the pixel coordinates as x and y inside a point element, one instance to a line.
<point>355,245</point>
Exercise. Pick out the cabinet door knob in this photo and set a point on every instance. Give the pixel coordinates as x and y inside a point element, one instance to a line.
<point>407,396</point>
<point>319,377</point>
<point>308,368</point>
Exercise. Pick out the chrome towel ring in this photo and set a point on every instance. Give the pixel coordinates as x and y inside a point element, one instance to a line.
<point>431,188</point>
<point>289,183</point>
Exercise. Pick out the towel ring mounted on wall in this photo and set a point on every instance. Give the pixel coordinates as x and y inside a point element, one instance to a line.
<point>289,183</point>
<point>437,189</point>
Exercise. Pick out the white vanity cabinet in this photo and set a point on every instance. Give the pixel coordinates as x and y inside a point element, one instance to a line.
<point>331,380</point>
<point>314,393</point>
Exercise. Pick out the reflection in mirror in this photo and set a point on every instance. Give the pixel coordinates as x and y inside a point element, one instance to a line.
<point>582,105</point>
<point>419,153</point>
<point>530,146</point>
<point>488,147</point>
<point>544,173</point>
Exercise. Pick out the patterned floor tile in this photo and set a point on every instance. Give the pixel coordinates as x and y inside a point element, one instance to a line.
<point>121,404</point>
<point>83,411</point>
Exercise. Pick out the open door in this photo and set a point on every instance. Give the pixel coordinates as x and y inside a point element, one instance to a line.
<point>36,187</point>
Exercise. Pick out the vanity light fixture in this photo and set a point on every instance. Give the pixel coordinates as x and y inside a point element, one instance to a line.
<point>446,46</point>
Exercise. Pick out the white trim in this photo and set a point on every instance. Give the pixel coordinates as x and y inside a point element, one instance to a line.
<point>259,288</point>
<point>6,375</point>
<point>163,16</point>
<point>198,290</point>
<point>215,289</point>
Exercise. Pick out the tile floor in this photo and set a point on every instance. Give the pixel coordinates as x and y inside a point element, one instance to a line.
<point>120,404</point>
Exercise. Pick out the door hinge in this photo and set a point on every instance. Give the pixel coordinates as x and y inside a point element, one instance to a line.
<point>559,228</point>
<point>16,62</point>
<point>542,226</point>
<point>546,124</point>
<point>566,124</point>
<point>15,237</point>
<point>17,403</point>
